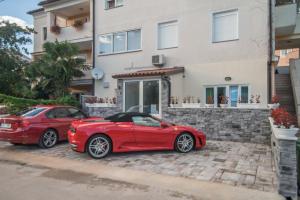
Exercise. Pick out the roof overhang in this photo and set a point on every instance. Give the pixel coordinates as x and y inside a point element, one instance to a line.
<point>150,73</point>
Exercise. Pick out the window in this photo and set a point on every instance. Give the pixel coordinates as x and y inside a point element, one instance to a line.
<point>133,40</point>
<point>75,113</point>
<point>285,52</point>
<point>209,95</point>
<point>58,113</point>
<point>32,112</point>
<point>106,44</point>
<point>45,33</point>
<point>145,121</point>
<point>244,94</point>
<point>109,4</point>
<point>120,42</point>
<point>167,35</point>
<point>142,96</point>
<point>235,94</point>
<point>225,26</point>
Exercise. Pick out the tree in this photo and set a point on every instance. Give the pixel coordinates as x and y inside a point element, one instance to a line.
<point>13,39</point>
<point>53,72</point>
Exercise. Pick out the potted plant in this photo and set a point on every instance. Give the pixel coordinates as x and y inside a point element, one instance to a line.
<point>275,102</point>
<point>191,102</point>
<point>55,29</point>
<point>224,102</point>
<point>210,102</point>
<point>283,123</point>
<point>90,101</point>
<point>78,24</point>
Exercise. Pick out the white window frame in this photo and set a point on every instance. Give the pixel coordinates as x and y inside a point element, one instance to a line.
<point>227,92</point>
<point>157,40</point>
<point>141,94</point>
<point>126,42</point>
<point>213,25</point>
<point>116,6</point>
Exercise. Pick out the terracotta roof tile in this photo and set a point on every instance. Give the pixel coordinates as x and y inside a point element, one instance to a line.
<point>46,2</point>
<point>151,72</point>
<point>35,11</point>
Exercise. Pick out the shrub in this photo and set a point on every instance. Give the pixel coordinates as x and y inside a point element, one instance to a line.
<point>283,118</point>
<point>15,105</point>
<point>224,100</point>
<point>3,110</point>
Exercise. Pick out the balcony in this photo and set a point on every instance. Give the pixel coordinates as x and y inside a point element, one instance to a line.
<point>74,35</point>
<point>285,19</point>
<point>72,20</point>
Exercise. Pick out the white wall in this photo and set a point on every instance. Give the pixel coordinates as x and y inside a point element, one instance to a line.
<point>206,63</point>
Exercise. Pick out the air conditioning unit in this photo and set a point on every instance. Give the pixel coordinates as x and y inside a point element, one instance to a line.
<point>158,60</point>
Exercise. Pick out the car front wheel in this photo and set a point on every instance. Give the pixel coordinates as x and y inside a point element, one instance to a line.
<point>99,146</point>
<point>184,143</point>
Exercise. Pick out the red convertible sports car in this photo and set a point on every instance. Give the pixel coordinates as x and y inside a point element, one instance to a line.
<point>43,125</point>
<point>126,132</point>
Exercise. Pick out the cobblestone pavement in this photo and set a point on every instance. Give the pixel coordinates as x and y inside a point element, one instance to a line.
<point>239,164</point>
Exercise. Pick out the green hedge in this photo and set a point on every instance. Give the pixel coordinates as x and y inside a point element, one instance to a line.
<point>15,105</point>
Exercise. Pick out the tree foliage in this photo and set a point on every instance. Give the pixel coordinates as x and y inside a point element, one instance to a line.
<point>13,40</point>
<point>58,66</point>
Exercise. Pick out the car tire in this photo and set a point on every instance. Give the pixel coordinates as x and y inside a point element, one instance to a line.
<point>99,146</point>
<point>184,143</point>
<point>48,139</point>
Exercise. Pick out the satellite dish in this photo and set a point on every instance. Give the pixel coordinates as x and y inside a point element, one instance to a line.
<point>97,73</point>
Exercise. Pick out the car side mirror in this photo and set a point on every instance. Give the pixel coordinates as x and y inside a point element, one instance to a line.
<point>164,125</point>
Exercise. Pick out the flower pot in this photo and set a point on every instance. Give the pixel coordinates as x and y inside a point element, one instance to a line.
<point>224,105</point>
<point>248,105</point>
<point>284,132</point>
<point>209,105</point>
<point>191,105</point>
<point>273,106</point>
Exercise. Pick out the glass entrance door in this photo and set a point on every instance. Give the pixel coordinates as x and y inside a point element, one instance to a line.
<point>233,91</point>
<point>143,96</point>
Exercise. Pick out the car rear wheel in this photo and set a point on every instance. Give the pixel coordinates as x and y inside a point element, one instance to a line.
<point>48,139</point>
<point>99,146</point>
<point>184,143</point>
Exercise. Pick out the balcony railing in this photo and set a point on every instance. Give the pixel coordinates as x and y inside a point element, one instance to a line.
<point>73,34</point>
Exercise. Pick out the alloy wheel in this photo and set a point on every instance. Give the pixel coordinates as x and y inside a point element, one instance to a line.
<point>49,138</point>
<point>99,147</point>
<point>185,143</point>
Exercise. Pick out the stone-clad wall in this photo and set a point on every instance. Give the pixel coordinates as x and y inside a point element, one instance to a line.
<point>284,154</point>
<point>240,125</point>
<point>102,111</point>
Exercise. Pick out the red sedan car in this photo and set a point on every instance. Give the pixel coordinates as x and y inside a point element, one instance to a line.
<point>126,132</point>
<point>43,125</point>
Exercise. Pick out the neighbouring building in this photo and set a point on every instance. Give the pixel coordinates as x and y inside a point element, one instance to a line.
<point>66,21</point>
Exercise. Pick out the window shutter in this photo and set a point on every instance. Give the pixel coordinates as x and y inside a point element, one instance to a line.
<point>225,26</point>
<point>167,35</point>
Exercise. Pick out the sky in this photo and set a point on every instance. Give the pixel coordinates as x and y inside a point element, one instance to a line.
<point>16,12</point>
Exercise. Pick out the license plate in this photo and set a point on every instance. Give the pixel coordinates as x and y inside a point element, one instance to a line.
<point>5,125</point>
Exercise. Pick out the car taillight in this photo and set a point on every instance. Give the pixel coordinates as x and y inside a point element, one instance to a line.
<point>24,124</point>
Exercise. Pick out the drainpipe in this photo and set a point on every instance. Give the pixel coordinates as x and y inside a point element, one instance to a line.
<point>167,79</point>
<point>271,47</point>
<point>94,43</point>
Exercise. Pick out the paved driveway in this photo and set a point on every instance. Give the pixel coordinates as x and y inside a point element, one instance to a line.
<point>239,164</point>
